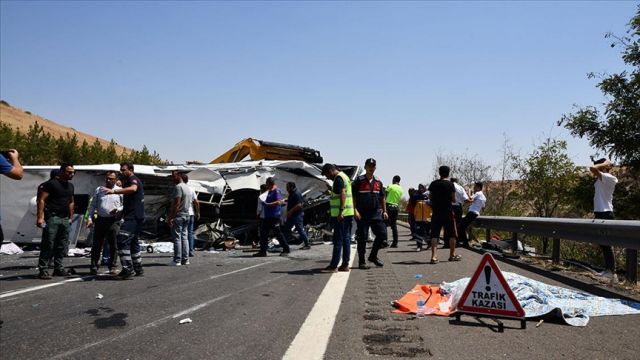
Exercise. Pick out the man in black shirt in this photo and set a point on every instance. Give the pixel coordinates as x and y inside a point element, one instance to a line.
<point>133,214</point>
<point>55,213</point>
<point>442,194</point>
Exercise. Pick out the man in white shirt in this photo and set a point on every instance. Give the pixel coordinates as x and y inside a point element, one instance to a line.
<point>107,223</point>
<point>477,201</point>
<point>603,208</point>
<point>461,198</point>
<point>194,215</point>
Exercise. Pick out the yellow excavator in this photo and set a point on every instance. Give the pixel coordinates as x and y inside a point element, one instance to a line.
<point>266,150</point>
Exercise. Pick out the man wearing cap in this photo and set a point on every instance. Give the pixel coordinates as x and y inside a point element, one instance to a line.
<point>341,204</point>
<point>370,212</point>
<point>394,193</point>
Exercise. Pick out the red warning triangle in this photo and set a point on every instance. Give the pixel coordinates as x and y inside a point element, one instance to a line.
<point>489,293</point>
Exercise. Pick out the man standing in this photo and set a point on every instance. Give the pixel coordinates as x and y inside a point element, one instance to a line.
<point>603,209</point>
<point>272,213</point>
<point>295,216</point>
<point>461,198</point>
<point>442,194</point>
<point>421,216</point>
<point>370,212</point>
<point>341,207</point>
<point>107,224</point>
<point>194,215</point>
<point>179,220</point>
<point>10,167</point>
<point>55,212</point>
<point>394,193</point>
<point>478,200</point>
<point>133,214</point>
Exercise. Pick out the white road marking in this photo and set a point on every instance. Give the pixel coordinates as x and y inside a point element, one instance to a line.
<point>40,287</point>
<point>163,319</point>
<point>12,293</point>
<point>313,337</point>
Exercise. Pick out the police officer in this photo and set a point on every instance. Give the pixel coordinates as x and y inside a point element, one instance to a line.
<point>370,212</point>
<point>133,215</point>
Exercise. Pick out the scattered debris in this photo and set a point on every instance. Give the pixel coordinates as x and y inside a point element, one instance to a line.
<point>186,321</point>
<point>79,252</point>
<point>539,322</point>
<point>99,296</point>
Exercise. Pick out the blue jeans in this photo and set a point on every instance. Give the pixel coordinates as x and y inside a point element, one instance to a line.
<point>341,241</point>
<point>192,245</point>
<point>179,234</point>
<point>298,223</point>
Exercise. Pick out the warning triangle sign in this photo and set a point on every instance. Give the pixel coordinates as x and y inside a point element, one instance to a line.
<point>489,293</point>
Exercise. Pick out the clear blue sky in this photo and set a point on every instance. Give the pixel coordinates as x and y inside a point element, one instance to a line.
<point>397,81</point>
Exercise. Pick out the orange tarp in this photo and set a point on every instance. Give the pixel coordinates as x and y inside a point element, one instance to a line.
<point>408,303</point>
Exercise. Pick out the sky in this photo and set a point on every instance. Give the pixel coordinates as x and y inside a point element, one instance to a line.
<point>396,81</point>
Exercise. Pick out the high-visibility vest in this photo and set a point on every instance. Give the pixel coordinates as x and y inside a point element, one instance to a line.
<point>334,203</point>
<point>422,211</point>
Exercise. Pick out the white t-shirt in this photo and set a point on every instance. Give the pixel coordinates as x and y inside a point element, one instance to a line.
<point>461,195</point>
<point>603,198</point>
<point>478,200</point>
<point>192,211</point>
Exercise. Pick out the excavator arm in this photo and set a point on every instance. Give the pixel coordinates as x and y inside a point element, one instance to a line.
<point>265,150</point>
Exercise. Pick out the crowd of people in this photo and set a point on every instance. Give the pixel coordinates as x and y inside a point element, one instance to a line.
<point>116,214</point>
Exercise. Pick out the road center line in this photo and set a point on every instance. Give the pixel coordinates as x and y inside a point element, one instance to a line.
<point>313,337</point>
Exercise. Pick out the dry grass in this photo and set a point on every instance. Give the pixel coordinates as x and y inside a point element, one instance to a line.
<point>19,119</point>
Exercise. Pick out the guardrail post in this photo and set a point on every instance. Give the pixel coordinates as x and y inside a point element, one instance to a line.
<point>514,242</point>
<point>487,234</point>
<point>555,255</point>
<point>632,265</point>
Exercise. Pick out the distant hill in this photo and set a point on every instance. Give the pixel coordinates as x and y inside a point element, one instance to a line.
<point>19,119</point>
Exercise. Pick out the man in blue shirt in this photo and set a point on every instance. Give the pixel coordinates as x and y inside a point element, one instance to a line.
<point>272,212</point>
<point>11,168</point>
<point>295,215</point>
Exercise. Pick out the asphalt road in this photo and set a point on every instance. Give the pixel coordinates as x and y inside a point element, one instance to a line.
<point>252,308</point>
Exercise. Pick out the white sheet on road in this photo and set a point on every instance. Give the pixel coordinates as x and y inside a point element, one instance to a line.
<point>10,249</point>
<point>538,299</point>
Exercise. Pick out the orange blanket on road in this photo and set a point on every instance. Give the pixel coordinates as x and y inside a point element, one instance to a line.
<point>408,303</point>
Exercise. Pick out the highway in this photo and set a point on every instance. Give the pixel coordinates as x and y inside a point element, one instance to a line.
<point>261,308</point>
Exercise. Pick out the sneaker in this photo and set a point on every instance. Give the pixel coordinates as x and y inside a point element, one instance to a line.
<point>393,246</point>
<point>259,254</point>
<point>329,269</point>
<point>113,271</point>
<point>44,275</point>
<point>139,272</point>
<point>125,274</point>
<point>384,245</point>
<point>61,272</point>
<point>418,249</point>
<point>284,253</point>
<point>306,247</point>
<point>173,263</point>
<point>376,261</point>
<point>344,268</point>
<point>186,262</point>
<point>363,266</point>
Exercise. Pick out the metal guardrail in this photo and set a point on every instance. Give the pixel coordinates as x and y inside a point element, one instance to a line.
<point>622,233</point>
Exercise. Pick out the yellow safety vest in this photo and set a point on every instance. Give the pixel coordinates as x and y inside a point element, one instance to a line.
<point>334,203</point>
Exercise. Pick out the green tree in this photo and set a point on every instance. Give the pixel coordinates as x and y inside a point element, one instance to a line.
<point>614,128</point>
<point>546,176</point>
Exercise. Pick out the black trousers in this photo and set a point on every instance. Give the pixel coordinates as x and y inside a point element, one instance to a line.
<point>106,228</point>
<point>607,251</point>
<point>464,225</point>
<point>392,222</point>
<point>362,234</point>
<point>273,225</point>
